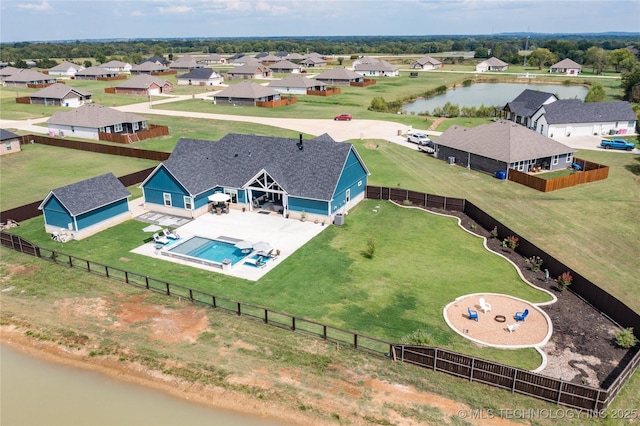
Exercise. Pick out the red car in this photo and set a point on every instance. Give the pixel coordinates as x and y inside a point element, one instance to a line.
<point>342,117</point>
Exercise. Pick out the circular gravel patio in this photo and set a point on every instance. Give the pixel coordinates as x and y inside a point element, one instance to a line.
<point>534,331</point>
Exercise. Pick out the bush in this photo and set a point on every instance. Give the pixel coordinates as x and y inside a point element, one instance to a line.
<point>494,232</point>
<point>535,262</point>
<point>625,338</point>
<point>370,251</point>
<point>564,280</point>
<point>511,241</point>
<point>418,337</point>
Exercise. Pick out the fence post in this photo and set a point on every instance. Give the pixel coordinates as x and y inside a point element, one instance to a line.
<point>595,405</point>
<point>126,277</point>
<point>559,393</point>
<point>473,362</point>
<point>88,266</point>
<point>106,271</point>
<point>515,377</point>
<point>266,316</point>
<point>402,353</point>
<point>355,341</point>
<point>435,358</point>
<point>70,262</point>
<point>214,302</point>
<point>324,332</point>
<point>146,281</point>
<point>239,309</point>
<point>168,289</point>
<point>191,294</point>
<point>293,323</point>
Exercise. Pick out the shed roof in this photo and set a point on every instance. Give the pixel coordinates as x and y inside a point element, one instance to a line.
<point>6,135</point>
<point>234,161</point>
<point>90,194</point>
<point>199,74</point>
<point>502,140</point>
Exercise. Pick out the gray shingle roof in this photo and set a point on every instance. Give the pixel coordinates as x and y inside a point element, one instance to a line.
<point>142,81</point>
<point>312,172</point>
<point>376,66</point>
<point>575,111</point>
<point>250,68</point>
<point>6,135</point>
<point>297,81</point>
<point>528,102</point>
<point>148,67</point>
<point>287,65</point>
<point>494,62</point>
<point>338,74</point>
<point>7,71</point>
<point>428,60</point>
<point>566,63</point>
<point>58,91</point>
<point>199,74</point>
<point>65,65</point>
<point>95,72</point>
<point>94,116</point>
<point>114,64</point>
<point>90,194</point>
<point>502,140</point>
<point>246,90</point>
<point>27,76</point>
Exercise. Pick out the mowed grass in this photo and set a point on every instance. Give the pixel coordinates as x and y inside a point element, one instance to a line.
<point>421,263</point>
<point>30,174</point>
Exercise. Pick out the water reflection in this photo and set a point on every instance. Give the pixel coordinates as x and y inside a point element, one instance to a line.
<point>491,94</point>
<point>36,392</point>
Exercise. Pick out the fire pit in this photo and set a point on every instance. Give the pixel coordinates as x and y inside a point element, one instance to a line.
<point>500,318</point>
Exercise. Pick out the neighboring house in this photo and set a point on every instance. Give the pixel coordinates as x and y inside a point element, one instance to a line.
<point>297,85</point>
<point>572,117</point>
<point>29,78</point>
<point>65,70</point>
<point>426,63</point>
<point>9,142</point>
<point>248,71</point>
<point>8,71</point>
<point>500,146</point>
<point>269,59</point>
<point>95,73</point>
<point>522,108</point>
<point>59,94</point>
<point>185,63</point>
<point>340,76</point>
<point>149,68</point>
<point>213,58</point>
<point>294,57</point>
<point>320,177</point>
<point>245,93</point>
<point>144,84</point>
<point>244,60</point>
<point>377,69</point>
<point>492,64</point>
<point>117,66</point>
<point>200,77</point>
<point>88,120</point>
<point>566,66</point>
<point>313,62</point>
<point>286,67</point>
<point>159,60</point>
<point>87,207</point>
<point>364,60</point>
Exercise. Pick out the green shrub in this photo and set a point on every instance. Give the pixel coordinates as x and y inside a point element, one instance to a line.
<point>370,251</point>
<point>564,280</point>
<point>625,338</point>
<point>418,337</point>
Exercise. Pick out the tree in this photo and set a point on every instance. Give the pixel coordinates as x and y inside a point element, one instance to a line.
<point>596,93</point>
<point>597,57</point>
<point>100,57</point>
<point>631,84</point>
<point>542,57</point>
<point>481,52</point>
<point>88,63</point>
<point>622,59</point>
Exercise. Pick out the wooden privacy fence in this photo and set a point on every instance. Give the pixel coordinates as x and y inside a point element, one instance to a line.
<point>96,147</point>
<point>591,172</point>
<point>329,92</point>
<point>23,100</point>
<point>153,131</point>
<point>459,365</point>
<point>276,104</point>
<point>115,77</point>
<point>365,83</point>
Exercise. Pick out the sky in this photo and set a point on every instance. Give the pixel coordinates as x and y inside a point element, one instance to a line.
<point>48,20</point>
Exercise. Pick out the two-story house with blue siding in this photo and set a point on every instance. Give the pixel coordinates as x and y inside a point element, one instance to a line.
<point>86,207</point>
<point>320,177</point>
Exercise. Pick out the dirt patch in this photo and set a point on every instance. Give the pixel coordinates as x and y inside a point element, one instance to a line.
<point>12,270</point>
<point>582,348</point>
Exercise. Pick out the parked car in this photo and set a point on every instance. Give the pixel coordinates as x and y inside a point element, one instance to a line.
<point>617,143</point>
<point>418,138</point>
<point>343,117</point>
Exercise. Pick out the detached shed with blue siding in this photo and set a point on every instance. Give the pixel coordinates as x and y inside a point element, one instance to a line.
<point>87,207</point>
<point>320,177</point>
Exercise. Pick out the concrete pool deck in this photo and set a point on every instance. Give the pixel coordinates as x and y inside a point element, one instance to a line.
<point>286,235</point>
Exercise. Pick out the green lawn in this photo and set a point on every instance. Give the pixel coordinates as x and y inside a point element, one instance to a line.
<point>393,294</point>
<point>30,174</point>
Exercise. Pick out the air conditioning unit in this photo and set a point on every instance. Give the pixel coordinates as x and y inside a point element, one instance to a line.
<point>451,160</point>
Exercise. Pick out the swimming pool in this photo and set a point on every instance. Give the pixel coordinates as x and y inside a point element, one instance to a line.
<point>207,251</point>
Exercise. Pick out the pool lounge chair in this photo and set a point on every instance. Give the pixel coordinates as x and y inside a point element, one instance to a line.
<point>172,235</point>
<point>160,240</point>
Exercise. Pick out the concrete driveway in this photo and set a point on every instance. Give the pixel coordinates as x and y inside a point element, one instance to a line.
<point>589,142</point>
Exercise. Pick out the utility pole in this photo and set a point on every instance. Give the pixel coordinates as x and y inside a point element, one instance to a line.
<point>526,50</point>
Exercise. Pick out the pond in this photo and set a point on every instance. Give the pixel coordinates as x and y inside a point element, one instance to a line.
<point>491,94</point>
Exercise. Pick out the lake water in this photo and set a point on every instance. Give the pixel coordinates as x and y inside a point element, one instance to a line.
<point>490,94</point>
<point>37,392</point>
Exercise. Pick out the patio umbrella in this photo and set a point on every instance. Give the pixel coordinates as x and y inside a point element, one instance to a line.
<point>152,228</point>
<point>244,245</point>
<point>219,197</point>
<point>262,246</point>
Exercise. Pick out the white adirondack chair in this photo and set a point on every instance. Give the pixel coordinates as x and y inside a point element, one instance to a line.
<point>486,307</point>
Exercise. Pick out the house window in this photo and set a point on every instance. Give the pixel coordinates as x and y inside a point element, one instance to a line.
<point>117,127</point>
<point>188,203</point>
<point>101,129</point>
<point>570,157</point>
<point>233,193</point>
<point>7,146</point>
<point>631,124</point>
<point>136,125</point>
<point>555,159</point>
<point>167,198</point>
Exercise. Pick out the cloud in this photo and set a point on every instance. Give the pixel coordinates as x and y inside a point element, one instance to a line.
<point>42,7</point>
<point>175,9</point>
<point>137,13</point>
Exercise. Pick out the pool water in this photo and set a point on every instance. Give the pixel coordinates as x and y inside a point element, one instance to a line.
<point>210,250</point>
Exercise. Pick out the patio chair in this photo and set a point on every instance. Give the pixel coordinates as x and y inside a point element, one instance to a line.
<point>520,316</point>
<point>512,327</point>
<point>160,240</point>
<point>486,307</point>
<point>172,235</point>
<point>473,315</point>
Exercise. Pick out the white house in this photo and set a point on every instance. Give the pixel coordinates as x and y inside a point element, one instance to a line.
<point>426,63</point>
<point>65,70</point>
<point>492,64</point>
<point>377,69</point>
<point>566,66</point>
<point>200,77</point>
<point>117,66</point>
<point>572,117</point>
<point>296,85</point>
<point>90,119</point>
